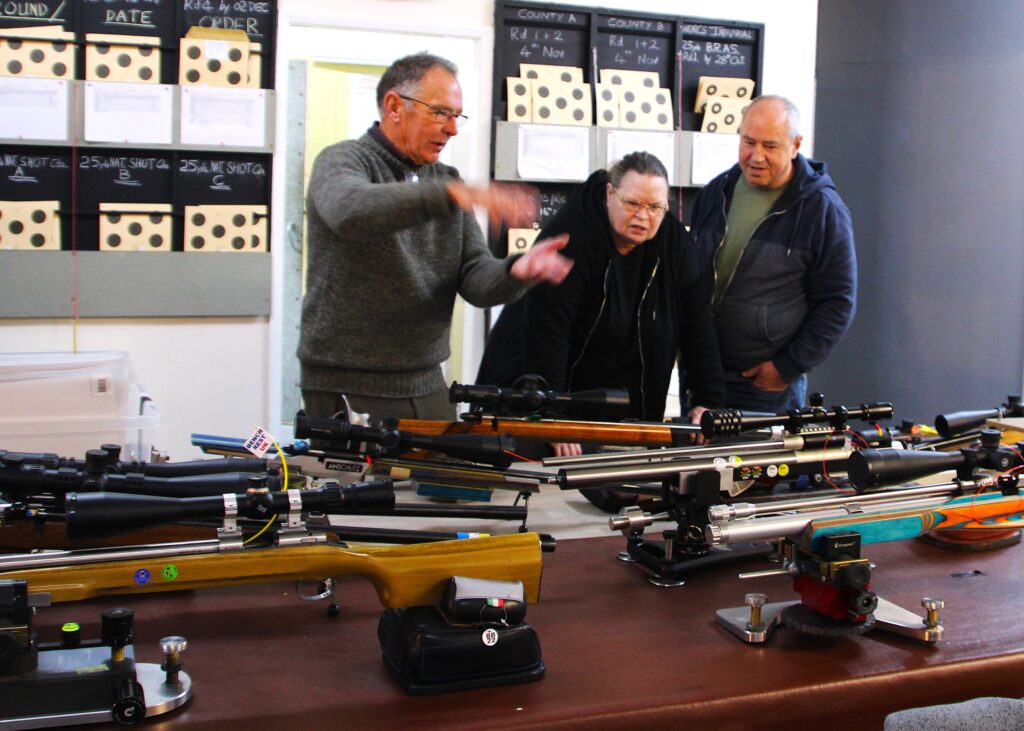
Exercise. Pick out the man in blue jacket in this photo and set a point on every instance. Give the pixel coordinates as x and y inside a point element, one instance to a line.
<point>777,240</point>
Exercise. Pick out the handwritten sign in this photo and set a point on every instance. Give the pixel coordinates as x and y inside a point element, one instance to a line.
<point>223,179</point>
<point>41,12</point>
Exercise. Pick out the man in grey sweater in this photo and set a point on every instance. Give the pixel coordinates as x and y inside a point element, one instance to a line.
<point>392,240</point>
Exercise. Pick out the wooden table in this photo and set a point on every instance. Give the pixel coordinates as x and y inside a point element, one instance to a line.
<point>620,652</point>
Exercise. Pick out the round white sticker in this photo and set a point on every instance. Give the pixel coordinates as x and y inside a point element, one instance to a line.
<point>772,470</point>
<point>490,637</point>
<point>719,462</point>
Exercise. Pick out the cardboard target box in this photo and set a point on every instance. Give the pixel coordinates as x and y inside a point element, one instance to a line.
<point>723,114</point>
<point>722,86</point>
<point>40,52</point>
<point>135,227</point>
<point>645,108</point>
<point>30,225</point>
<point>232,228</point>
<point>521,239</point>
<point>561,103</point>
<point>215,57</point>
<point>111,57</point>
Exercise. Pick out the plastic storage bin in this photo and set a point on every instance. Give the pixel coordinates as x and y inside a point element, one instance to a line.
<point>70,402</point>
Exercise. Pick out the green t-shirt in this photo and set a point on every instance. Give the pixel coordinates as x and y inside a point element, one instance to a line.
<point>750,205</point>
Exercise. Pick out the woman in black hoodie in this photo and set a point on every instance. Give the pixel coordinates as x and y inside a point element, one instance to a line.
<point>634,300</point>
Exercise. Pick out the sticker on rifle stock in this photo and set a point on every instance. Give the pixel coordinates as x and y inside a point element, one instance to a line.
<point>490,637</point>
<point>772,470</point>
<point>258,442</point>
<point>783,470</point>
<point>142,576</point>
<point>170,572</point>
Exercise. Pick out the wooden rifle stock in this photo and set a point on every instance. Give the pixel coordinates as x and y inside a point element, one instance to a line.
<point>638,434</point>
<point>402,575</point>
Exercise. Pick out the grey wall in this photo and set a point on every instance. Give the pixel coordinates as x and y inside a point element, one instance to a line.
<point>920,116</point>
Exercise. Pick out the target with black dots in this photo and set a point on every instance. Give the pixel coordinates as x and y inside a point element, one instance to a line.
<point>135,226</point>
<point>134,59</point>
<point>239,228</point>
<point>645,109</point>
<point>606,98</point>
<point>631,79</point>
<point>722,86</point>
<point>557,103</point>
<point>220,60</point>
<point>520,99</point>
<point>37,52</point>
<point>723,114</point>
<point>30,225</point>
<point>521,239</point>
<point>551,74</point>
<point>254,73</point>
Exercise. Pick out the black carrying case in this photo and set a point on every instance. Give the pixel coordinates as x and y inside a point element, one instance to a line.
<point>429,655</point>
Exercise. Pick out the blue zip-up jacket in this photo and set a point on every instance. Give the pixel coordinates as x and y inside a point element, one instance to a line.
<point>793,293</point>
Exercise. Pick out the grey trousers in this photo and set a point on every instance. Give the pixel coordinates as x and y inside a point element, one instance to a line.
<point>431,406</point>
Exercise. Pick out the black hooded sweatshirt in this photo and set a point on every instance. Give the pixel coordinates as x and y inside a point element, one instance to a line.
<point>616,321</point>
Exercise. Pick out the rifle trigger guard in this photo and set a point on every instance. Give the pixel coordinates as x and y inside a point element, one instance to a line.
<point>326,590</point>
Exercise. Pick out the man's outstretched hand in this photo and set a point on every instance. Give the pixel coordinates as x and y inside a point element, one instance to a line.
<point>542,262</point>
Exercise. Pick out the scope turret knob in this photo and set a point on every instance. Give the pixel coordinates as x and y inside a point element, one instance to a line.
<point>117,627</point>
<point>990,438</point>
<point>96,461</point>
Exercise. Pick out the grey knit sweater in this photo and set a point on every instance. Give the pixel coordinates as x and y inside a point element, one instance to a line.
<point>386,259</point>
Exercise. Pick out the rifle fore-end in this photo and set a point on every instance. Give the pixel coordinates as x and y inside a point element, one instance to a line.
<point>583,432</point>
<point>403,576</point>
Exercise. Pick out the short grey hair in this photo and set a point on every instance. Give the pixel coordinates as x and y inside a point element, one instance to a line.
<point>643,163</point>
<point>404,75</point>
<point>788,108</point>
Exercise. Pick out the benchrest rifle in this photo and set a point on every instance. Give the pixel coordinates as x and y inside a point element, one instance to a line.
<point>821,548</point>
<point>407,575</point>
<point>402,575</point>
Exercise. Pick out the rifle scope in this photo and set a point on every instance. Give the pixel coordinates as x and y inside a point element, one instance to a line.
<point>99,514</point>
<point>960,421</point>
<point>526,401</point>
<point>35,479</point>
<point>876,467</point>
<point>474,447</point>
<point>732,422</point>
<point>107,459</point>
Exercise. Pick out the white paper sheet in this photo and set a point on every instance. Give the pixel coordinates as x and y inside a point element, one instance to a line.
<point>42,106</point>
<point>712,154</point>
<point>362,103</point>
<point>550,152</point>
<point>118,112</point>
<point>212,115</point>
<point>660,144</point>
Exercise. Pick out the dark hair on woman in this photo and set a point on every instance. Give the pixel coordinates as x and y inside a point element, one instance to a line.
<point>643,163</point>
<point>405,74</point>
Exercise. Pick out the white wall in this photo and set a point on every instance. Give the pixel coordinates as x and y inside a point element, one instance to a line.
<point>222,375</point>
